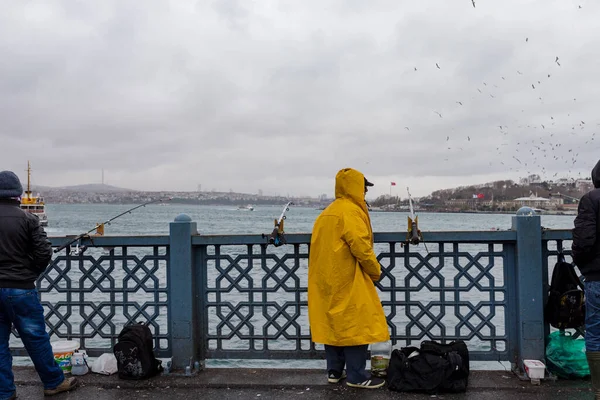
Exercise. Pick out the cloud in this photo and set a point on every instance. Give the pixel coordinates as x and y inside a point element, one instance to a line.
<point>279,96</point>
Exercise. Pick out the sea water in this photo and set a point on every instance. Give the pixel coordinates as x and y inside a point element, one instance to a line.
<point>72,219</point>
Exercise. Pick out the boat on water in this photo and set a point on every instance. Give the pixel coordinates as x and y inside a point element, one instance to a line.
<point>248,207</point>
<point>34,204</point>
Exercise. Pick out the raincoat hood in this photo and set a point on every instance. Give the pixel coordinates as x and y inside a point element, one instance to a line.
<point>596,176</point>
<point>350,184</point>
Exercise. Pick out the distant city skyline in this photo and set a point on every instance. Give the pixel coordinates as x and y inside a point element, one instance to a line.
<point>95,187</point>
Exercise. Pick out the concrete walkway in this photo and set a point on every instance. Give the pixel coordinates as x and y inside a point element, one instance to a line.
<point>220,384</point>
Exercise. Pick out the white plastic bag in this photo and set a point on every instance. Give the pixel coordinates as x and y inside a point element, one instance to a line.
<point>106,364</point>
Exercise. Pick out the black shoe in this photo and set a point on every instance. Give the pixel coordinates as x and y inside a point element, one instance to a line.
<point>372,383</point>
<point>335,377</point>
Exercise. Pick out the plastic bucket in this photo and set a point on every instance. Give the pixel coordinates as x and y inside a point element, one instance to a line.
<point>63,351</point>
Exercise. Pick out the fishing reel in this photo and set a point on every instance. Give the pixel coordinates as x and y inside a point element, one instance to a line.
<point>78,249</point>
<point>413,234</point>
<point>277,237</point>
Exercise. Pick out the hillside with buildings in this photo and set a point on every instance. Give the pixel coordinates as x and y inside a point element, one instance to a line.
<point>561,195</point>
<point>112,195</point>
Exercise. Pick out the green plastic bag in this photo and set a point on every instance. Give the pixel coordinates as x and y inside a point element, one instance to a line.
<point>565,356</point>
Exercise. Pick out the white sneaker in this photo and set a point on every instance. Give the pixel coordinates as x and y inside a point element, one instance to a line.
<point>372,383</point>
<point>336,377</point>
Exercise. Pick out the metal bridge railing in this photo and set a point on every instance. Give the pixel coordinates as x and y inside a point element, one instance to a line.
<point>235,296</point>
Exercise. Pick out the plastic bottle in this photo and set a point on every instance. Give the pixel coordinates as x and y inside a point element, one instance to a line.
<point>380,358</point>
<point>78,363</point>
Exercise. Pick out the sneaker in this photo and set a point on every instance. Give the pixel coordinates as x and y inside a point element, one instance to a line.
<point>65,386</point>
<point>372,383</point>
<point>335,377</point>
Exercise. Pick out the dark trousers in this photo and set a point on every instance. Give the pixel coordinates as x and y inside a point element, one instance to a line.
<point>22,308</point>
<point>592,316</point>
<point>354,357</point>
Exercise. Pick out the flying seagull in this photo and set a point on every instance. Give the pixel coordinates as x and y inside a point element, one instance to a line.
<point>437,65</point>
<point>473,1</point>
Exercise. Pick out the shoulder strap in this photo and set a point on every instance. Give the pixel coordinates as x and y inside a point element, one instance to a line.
<point>555,280</point>
<point>575,277</point>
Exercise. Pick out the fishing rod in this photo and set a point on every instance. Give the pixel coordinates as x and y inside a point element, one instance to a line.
<point>99,228</point>
<point>277,237</point>
<point>414,235</point>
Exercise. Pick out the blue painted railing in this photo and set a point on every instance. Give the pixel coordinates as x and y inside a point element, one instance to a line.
<point>235,296</point>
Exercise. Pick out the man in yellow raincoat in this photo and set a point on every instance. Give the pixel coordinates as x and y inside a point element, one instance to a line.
<point>344,309</point>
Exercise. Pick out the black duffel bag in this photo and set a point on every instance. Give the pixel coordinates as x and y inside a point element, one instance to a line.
<point>433,368</point>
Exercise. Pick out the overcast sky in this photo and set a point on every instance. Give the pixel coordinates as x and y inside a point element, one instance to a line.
<point>279,95</point>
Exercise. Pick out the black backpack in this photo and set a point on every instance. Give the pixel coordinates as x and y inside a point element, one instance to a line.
<point>566,301</point>
<point>135,354</point>
<point>433,368</point>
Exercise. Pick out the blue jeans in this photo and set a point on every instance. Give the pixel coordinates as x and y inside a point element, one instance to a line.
<point>592,316</point>
<point>354,357</point>
<point>22,308</point>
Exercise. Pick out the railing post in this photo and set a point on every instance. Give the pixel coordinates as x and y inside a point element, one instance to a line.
<point>529,286</point>
<point>183,326</point>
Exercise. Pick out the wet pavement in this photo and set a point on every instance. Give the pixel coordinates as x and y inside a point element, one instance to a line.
<point>227,383</point>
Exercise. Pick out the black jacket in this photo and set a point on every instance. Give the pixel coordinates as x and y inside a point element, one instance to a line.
<point>586,234</point>
<point>25,251</point>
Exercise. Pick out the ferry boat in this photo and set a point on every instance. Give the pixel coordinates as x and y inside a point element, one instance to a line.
<point>249,207</point>
<point>34,204</point>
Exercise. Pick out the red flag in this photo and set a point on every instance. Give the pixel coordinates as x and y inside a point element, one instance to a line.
<point>480,195</point>
<point>393,183</point>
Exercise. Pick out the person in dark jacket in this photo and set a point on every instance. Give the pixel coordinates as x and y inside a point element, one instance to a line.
<point>586,255</point>
<point>25,252</point>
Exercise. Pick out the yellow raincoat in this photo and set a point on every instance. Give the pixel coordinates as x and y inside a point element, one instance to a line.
<point>343,305</point>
